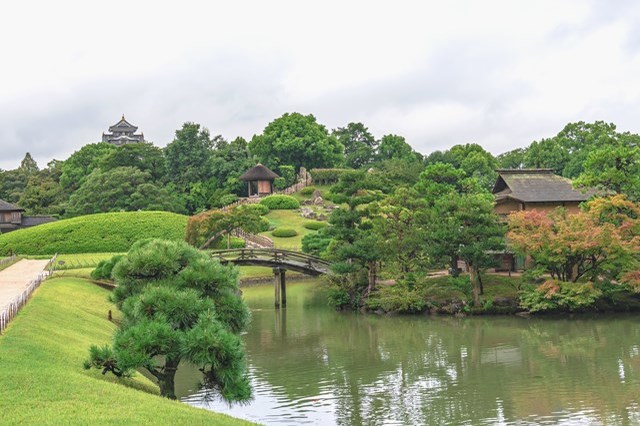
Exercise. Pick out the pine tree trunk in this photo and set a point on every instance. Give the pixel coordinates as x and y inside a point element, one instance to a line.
<point>167,381</point>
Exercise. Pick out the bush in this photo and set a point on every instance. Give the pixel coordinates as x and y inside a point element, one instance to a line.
<point>104,268</point>
<point>399,298</point>
<point>307,191</point>
<point>314,226</point>
<point>284,233</point>
<point>235,243</point>
<point>96,233</point>
<point>227,199</point>
<point>559,296</point>
<point>261,209</point>
<point>265,224</point>
<point>280,202</point>
<point>327,176</point>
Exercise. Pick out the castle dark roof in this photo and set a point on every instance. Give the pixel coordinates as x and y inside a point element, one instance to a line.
<point>258,172</point>
<point>8,207</point>
<point>536,186</point>
<point>123,126</point>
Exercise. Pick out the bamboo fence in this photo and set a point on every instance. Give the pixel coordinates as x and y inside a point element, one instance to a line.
<point>12,309</point>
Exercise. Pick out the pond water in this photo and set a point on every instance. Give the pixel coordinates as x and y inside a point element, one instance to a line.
<point>310,364</point>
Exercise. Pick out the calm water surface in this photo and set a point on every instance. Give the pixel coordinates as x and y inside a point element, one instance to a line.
<point>310,364</point>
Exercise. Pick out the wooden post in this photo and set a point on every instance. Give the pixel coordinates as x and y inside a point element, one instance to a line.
<point>276,286</point>
<point>283,287</point>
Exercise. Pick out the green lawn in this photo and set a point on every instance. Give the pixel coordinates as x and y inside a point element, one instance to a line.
<point>287,219</point>
<point>43,381</point>
<point>322,188</point>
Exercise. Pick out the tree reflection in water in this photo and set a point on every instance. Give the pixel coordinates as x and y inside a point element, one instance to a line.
<point>309,363</point>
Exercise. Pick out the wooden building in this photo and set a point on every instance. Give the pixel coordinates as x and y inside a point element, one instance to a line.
<point>122,133</point>
<point>259,181</point>
<point>12,217</point>
<point>533,189</point>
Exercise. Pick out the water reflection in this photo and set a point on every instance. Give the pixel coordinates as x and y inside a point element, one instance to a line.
<point>310,364</point>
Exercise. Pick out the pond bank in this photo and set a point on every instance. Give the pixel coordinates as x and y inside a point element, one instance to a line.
<point>43,381</point>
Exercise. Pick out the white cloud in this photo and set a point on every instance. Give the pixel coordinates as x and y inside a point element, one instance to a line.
<point>499,73</point>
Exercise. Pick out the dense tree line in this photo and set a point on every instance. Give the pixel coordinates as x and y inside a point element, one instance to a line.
<point>197,171</point>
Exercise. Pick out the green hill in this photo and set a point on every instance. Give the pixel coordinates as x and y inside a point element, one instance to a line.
<point>96,233</point>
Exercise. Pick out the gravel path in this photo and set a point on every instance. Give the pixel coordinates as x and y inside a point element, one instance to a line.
<point>15,279</point>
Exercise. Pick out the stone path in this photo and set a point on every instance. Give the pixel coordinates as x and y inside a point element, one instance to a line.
<point>15,279</point>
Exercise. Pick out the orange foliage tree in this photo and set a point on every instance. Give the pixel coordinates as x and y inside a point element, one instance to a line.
<point>601,241</point>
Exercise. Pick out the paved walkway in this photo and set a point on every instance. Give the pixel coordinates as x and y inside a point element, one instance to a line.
<point>15,279</point>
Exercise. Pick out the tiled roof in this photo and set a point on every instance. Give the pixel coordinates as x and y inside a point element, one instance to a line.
<point>536,186</point>
<point>8,207</point>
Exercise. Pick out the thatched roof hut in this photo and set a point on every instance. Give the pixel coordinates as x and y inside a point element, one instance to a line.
<point>259,180</point>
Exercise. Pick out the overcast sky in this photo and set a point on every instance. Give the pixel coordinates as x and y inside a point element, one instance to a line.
<point>499,73</point>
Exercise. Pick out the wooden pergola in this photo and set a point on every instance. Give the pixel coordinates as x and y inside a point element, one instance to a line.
<point>259,180</point>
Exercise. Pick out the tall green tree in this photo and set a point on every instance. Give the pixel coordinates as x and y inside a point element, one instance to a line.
<point>615,168</point>
<point>43,194</point>
<point>143,156</point>
<point>464,226</point>
<point>354,247</point>
<point>567,152</point>
<point>297,140</point>
<point>395,147</point>
<point>122,189</point>
<point>189,156</point>
<point>81,163</point>
<point>359,144</point>
<point>177,305</point>
<point>398,223</point>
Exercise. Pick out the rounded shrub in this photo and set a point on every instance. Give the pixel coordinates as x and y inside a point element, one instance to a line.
<point>314,226</point>
<point>280,202</point>
<point>284,232</point>
<point>104,268</point>
<point>265,224</point>
<point>261,209</point>
<point>307,191</point>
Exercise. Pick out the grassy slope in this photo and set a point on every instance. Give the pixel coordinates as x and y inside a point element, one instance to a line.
<point>43,381</point>
<point>105,232</point>
<point>287,219</point>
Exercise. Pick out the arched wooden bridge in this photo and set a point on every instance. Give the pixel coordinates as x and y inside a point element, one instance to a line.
<point>274,258</point>
<point>280,260</point>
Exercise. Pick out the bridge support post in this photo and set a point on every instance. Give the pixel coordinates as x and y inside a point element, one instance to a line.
<point>283,288</point>
<point>276,286</point>
<point>280,287</point>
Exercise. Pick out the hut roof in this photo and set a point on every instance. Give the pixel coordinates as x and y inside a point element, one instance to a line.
<point>8,207</point>
<point>258,172</point>
<point>536,186</point>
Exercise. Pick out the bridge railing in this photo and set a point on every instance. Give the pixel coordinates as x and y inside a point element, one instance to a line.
<point>259,240</point>
<point>275,255</point>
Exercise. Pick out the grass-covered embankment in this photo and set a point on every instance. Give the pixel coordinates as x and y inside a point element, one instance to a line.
<point>43,381</point>
<point>96,233</point>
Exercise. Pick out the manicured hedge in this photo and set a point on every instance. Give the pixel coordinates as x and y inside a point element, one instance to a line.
<point>315,225</point>
<point>280,202</point>
<point>261,209</point>
<point>307,190</point>
<point>97,233</point>
<point>327,176</point>
<point>284,233</point>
